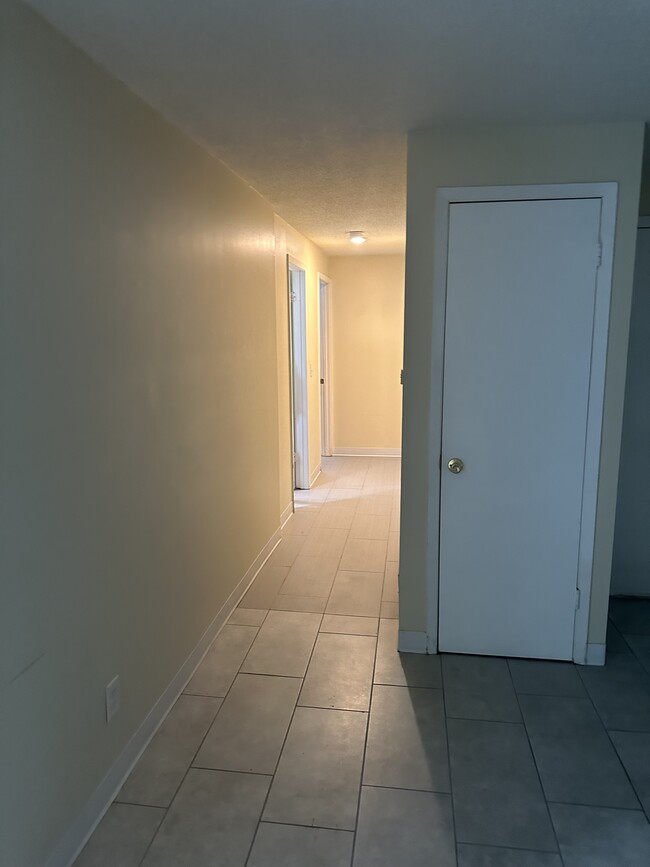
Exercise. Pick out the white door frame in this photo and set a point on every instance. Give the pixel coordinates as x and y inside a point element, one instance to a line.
<point>324,286</point>
<point>446,196</point>
<point>296,281</point>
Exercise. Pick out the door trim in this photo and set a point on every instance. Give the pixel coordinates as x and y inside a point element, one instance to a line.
<point>296,283</point>
<point>324,309</point>
<point>445,197</point>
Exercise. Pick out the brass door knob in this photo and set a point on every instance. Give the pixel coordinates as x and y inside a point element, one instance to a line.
<point>455,465</point>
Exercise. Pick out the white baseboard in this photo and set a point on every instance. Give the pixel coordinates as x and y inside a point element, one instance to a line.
<point>412,642</point>
<point>287,512</point>
<point>595,654</point>
<point>367,452</point>
<point>79,832</point>
<point>315,475</point>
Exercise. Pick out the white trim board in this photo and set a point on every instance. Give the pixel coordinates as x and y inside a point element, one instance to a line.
<point>315,475</point>
<point>367,452</point>
<point>411,642</point>
<point>101,799</point>
<point>325,330</point>
<point>608,194</point>
<point>287,512</point>
<point>595,654</point>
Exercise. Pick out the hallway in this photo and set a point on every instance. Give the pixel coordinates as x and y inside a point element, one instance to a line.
<point>468,761</point>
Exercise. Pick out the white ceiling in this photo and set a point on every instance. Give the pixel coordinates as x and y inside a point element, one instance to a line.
<point>310,100</point>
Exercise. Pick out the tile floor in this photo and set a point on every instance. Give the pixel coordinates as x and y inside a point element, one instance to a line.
<point>305,739</point>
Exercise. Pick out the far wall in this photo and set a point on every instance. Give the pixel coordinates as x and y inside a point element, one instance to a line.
<point>366,343</point>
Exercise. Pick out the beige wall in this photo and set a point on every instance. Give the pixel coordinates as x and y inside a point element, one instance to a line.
<point>493,156</point>
<point>367,331</point>
<point>289,242</point>
<point>140,416</point>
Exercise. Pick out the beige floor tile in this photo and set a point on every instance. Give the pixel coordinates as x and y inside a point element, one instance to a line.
<point>393,547</point>
<point>375,504</point>
<point>356,593</point>
<point>214,812</point>
<point>161,768</point>
<point>348,624</point>
<point>265,587</point>
<point>122,837</point>
<point>345,496</point>
<point>370,527</point>
<point>283,645</point>
<point>299,524</point>
<point>220,665</point>
<point>310,576</point>
<point>403,669</point>
<point>324,542</point>
<point>389,611</point>
<point>287,551</point>
<point>318,778</point>
<point>296,846</point>
<point>249,730</point>
<point>312,497</point>
<point>407,743</point>
<point>391,587</point>
<point>340,672</point>
<point>364,555</point>
<point>338,516</point>
<point>397,826</point>
<point>314,604</point>
<point>247,617</point>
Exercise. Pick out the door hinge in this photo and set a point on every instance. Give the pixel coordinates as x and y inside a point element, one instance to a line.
<point>292,296</point>
<point>295,457</point>
<point>577,598</point>
<point>401,377</point>
<point>599,254</point>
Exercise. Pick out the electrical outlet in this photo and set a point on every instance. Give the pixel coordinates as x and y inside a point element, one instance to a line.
<point>112,698</point>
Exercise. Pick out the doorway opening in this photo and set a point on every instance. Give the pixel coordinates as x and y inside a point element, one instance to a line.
<point>298,374</point>
<point>325,367</point>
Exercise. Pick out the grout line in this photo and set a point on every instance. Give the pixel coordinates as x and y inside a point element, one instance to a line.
<point>407,789</point>
<point>298,825</point>
<point>138,804</point>
<point>598,806</point>
<point>451,782</point>
<point>231,771</point>
<point>343,709</point>
<point>365,749</point>
<point>503,722</point>
<point>509,848</point>
<point>532,754</point>
<point>613,745</point>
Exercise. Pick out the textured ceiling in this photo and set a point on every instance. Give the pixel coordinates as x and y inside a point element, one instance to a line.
<point>310,100</point>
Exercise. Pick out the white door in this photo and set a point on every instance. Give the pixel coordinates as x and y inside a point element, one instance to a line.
<point>521,288</point>
<point>325,388</point>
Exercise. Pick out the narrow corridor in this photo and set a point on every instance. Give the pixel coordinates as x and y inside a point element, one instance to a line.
<point>305,739</point>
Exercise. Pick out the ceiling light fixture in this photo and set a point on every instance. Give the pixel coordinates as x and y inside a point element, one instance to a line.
<point>357,237</point>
